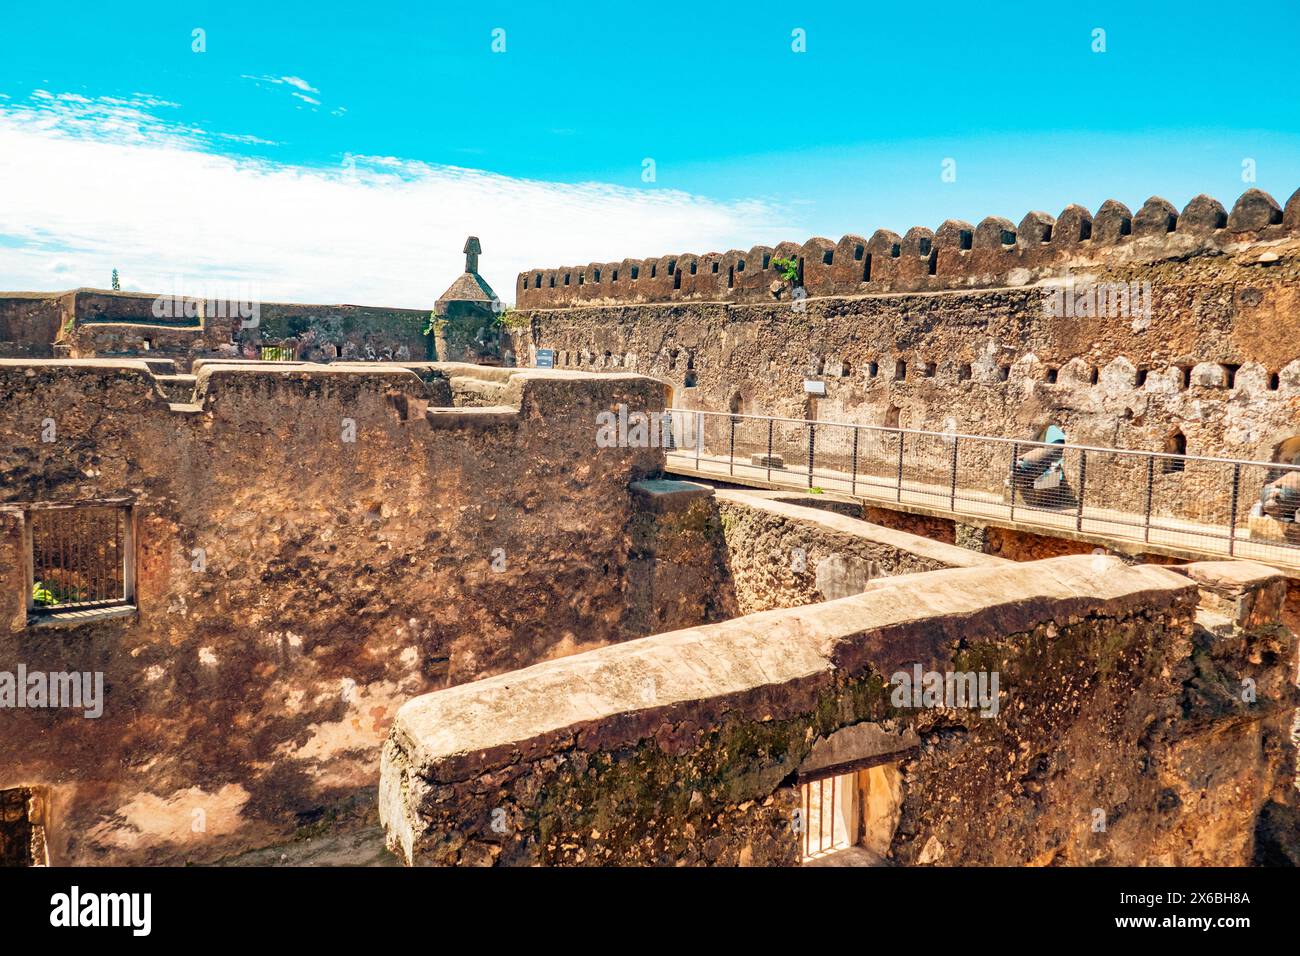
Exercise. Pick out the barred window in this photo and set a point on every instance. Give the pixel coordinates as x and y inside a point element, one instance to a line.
<point>80,559</point>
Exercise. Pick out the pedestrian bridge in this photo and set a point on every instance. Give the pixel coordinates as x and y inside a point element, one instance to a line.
<point>1185,505</point>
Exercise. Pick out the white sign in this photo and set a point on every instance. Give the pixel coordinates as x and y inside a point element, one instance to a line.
<point>814,388</point>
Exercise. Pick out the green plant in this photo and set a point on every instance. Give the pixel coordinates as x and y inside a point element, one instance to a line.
<point>510,319</point>
<point>814,490</point>
<point>48,595</point>
<point>116,284</point>
<point>788,268</point>
<point>434,325</point>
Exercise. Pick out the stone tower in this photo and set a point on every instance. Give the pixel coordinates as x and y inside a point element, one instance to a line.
<point>466,316</point>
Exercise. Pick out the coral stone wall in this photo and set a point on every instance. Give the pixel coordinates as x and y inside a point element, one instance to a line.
<point>958,254</point>
<point>685,747</point>
<point>294,586</point>
<point>1216,361</point>
<point>781,554</point>
<point>90,323</point>
<point>30,322</point>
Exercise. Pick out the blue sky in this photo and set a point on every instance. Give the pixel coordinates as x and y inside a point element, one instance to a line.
<point>374,111</point>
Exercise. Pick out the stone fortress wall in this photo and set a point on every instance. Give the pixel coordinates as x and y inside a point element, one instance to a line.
<point>292,588</point>
<point>948,338</point>
<point>997,252</point>
<point>89,323</point>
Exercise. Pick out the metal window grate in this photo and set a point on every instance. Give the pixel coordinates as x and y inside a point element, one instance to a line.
<point>79,557</point>
<point>826,804</point>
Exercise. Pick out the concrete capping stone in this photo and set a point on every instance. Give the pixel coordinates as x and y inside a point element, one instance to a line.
<point>1249,593</point>
<point>663,494</point>
<point>772,664</point>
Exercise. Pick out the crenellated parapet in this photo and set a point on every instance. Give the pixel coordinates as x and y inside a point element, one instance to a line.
<point>996,252</point>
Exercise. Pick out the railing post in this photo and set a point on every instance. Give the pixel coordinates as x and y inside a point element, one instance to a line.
<point>812,450</point>
<point>1151,482</point>
<point>952,485</point>
<point>1083,484</point>
<point>731,454</point>
<point>1015,453</point>
<point>770,423</point>
<point>898,477</point>
<point>1232,516</point>
<point>853,482</point>
<point>699,437</point>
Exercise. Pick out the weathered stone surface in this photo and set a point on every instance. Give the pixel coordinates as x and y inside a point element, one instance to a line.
<point>338,579</point>
<point>90,323</point>
<point>679,742</point>
<point>994,253</point>
<point>783,554</point>
<point>997,361</point>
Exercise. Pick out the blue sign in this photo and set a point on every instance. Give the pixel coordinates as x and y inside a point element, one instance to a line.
<point>546,358</point>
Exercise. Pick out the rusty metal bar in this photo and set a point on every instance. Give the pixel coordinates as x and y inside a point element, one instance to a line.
<point>853,484</point>
<point>732,452</point>
<point>1232,514</point>
<point>1151,481</point>
<point>898,475</point>
<point>1083,483</point>
<point>770,423</point>
<point>832,814</point>
<point>821,815</point>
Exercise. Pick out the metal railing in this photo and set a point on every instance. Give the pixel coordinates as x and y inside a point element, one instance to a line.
<point>1228,506</point>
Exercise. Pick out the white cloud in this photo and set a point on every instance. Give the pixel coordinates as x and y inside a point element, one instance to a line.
<point>300,83</point>
<point>87,186</point>
<point>294,81</point>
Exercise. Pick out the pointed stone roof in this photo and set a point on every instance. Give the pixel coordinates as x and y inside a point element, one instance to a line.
<point>471,288</point>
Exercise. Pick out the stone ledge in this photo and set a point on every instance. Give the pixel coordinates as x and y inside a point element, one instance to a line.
<point>665,494</point>
<point>856,527</point>
<point>1247,593</point>
<point>77,618</point>
<point>771,664</point>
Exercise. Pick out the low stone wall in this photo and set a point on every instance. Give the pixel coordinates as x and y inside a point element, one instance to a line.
<point>30,322</point>
<point>702,555</point>
<point>689,747</point>
<point>782,554</point>
<point>103,323</point>
<point>678,571</point>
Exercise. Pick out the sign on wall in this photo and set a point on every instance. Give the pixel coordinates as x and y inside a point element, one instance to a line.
<point>546,358</point>
<point>814,387</point>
